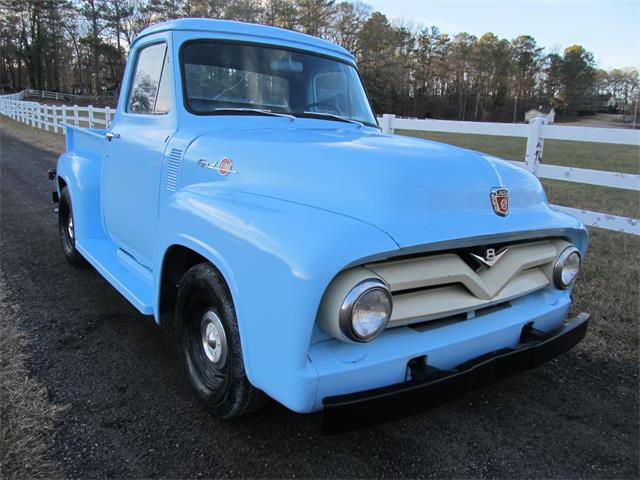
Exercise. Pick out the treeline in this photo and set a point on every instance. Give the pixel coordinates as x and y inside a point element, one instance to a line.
<point>80,46</point>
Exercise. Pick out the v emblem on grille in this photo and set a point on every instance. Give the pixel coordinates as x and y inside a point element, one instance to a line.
<point>491,257</point>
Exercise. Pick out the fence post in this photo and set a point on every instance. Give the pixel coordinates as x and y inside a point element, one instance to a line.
<point>90,116</point>
<point>535,145</point>
<point>34,106</point>
<point>107,117</point>
<point>39,109</point>
<point>64,119</point>
<point>75,115</point>
<point>55,118</point>
<point>387,122</point>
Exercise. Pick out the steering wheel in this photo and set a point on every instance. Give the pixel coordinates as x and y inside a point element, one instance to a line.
<point>323,104</point>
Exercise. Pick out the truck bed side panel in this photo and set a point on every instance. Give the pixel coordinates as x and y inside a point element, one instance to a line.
<point>80,169</point>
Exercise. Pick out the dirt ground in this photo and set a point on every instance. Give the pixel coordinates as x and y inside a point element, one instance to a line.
<point>130,414</point>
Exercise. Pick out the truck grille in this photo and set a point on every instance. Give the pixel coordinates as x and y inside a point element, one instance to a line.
<point>445,284</point>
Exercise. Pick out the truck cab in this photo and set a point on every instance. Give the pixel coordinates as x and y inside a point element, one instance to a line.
<point>245,196</point>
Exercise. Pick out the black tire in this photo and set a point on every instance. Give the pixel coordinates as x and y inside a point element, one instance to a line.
<point>210,346</point>
<point>67,231</point>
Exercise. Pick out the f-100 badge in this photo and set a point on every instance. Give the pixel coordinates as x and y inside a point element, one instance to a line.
<point>224,166</point>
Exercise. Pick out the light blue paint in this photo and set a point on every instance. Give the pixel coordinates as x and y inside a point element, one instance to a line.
<point>311,197</point>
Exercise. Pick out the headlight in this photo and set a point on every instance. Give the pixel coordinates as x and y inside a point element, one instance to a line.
<point>566,268</point>
<point>366,310</point>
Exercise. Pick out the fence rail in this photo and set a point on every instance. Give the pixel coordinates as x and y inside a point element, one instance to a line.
<point>535,133</point>
<point>52,118</point>
<point>67,97</point>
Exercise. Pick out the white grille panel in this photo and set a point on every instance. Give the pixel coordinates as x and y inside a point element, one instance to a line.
<point>440,285</point>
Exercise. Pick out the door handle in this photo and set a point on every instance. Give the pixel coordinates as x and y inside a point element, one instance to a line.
<point>110,136</point>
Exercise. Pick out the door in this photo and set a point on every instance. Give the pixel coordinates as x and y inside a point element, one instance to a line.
<point>134,153</point>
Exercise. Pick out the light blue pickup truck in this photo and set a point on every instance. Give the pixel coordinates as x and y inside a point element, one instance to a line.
<point>245,196</point>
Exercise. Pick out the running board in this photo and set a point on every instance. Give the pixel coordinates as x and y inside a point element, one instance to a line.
<point>131,279</point>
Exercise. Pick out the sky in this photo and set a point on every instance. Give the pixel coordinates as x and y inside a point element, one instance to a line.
<point>610,29</point>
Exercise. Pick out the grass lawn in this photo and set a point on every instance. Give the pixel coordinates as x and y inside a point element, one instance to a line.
<point>27,418</point>
<point>609,289</point>
<point>598,156</point>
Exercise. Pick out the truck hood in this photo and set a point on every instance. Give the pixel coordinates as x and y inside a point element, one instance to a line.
<point>417,191</point>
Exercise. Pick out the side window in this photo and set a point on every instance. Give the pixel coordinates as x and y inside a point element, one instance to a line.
<point>151,87</point>
<point>164,99</point>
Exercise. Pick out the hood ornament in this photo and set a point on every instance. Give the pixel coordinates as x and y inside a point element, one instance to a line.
<point>500,201</point>
<point>491,257</point>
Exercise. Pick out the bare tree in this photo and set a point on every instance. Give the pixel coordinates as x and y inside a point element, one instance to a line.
<point>93,13</point>
<point>407,70</point>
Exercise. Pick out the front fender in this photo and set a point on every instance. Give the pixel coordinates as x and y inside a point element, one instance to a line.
<point>277,258</point>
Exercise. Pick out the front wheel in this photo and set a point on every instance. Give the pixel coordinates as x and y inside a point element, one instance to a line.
<point>210,344</point>
<point>66,229</point>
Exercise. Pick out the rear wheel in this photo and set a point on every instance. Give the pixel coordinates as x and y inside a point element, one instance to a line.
<point>66,228</point>
<point>210,344</point>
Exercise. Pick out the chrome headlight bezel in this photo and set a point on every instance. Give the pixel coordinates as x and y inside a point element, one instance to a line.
<point>345,316</point>
<point>559,265</point>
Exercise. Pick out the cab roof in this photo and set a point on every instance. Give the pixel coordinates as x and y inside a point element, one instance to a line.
<point>249,32</point>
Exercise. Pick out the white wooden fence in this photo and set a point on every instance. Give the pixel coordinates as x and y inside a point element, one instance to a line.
<point>535,133</point>
<point>51,117</point>
<point>67,97</point>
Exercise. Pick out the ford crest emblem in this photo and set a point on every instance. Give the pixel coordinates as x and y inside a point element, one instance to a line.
<point>500,201</point>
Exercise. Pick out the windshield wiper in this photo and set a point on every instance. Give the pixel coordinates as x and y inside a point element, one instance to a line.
<point>255,111</point>
<point>330,116</point>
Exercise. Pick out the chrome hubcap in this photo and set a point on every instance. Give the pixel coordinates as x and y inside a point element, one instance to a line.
<point>70,226</point>
<point>214,340</point>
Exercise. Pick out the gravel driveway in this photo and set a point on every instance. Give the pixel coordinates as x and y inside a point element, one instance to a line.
<point>130,413</point>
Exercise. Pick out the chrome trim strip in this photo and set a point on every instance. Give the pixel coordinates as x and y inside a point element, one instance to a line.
<point>455,244</point>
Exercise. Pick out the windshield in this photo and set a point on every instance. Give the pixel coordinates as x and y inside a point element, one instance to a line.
<point>228,78</point>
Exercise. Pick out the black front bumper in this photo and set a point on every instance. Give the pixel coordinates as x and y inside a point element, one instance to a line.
<point>431,387</point>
